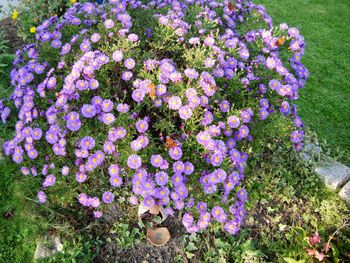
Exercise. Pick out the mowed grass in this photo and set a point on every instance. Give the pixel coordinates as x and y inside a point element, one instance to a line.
<point>325,101</point>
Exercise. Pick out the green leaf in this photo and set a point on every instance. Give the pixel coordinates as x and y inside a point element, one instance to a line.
<point>300,231</point>
<point>290,260</point>
<point>191,246</point>
<point>335,252</point>
<point>189,255</point>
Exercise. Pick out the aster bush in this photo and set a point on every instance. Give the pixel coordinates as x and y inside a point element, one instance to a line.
<point>153,101</point>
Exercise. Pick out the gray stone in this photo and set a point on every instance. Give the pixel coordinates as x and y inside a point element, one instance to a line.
<point>333,174</point>
<point>47,246</point>
<point>345,193</point>
<point>311,151</point>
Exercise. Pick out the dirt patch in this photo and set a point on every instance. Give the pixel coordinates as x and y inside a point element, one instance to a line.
<point>9,27</point>
<point>145,252</point>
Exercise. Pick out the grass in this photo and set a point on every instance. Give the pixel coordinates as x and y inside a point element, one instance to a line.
<point>325,101</point>
<point>20,225</point>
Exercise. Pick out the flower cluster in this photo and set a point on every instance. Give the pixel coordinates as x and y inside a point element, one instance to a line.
<point>161,105</point>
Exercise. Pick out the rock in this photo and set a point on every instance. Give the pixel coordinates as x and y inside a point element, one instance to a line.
<point>345,193</point>
<point>47,246</point>
<point>333,174</point>
<point>311,151</point>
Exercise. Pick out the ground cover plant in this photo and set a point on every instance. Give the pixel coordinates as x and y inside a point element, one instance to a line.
<point>172,127</point>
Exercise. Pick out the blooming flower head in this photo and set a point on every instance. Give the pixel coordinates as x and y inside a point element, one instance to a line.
<point>141,126</point>
<point>115,180</point>
<point>175,103</point>
<point>156,160</point>
<point>175,153</point>
<point>233,121</point>
<point>117,55</point>
<point>41,197</point>
<point>161,178</point>
<point>108,197</point>
<point>134,161</point>
<point>50,180</point>
<point>65,170</point>
<point>109,23</point>
<point>113,170</point>
<point>88,111</point>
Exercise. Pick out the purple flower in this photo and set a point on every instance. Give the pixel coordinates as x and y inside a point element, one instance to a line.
<point>231,227</point>
<point>108,147</point>
<point>107,118</point>
<point>297,136</point>
<point>65,50</point>
<point>109,23</point>
<point>141,126</point>
<point>120,133</point>
<point>88,111</point>
<point>161,178</point>
<point>242,195</point>
<point>134,161</point>
<point>138,95</point>
<point>117,56</point>
<point>185,112</point>
<point>216,159</point>
<point>113,170</point>
<point>133,37</point>
<point>187,220</point>
<point>178,167</point>
<point>84,199</point>
<point>133,200</point>
<point>123,107</point>
<point>41,197</point>
<point>177,179</point>
<point>107,105</point>
<point>191,73</point>
<point>189,168</point>
<point>80,177</point>
<point>156,160</point>
<point>73,121</point>
<point>148,201</point>
<point>95,202</point>
<point>50,180</point>
<point>263,113</point>
<point>56,43</point>
<point>95,37</point>
<point>85,46</point>
<point>274,84</point>
<point>175,153</point>
<point>219,214</point>
<point>87,143</point>
<point>65,170</point>
<point>129,63</point>
<point>175,103</point>
<point>245,116</point>
<point>98,214</point>
<point>209,41</point>
<point>108,197</point>
<point>116,180</point>
<point>233,121</point>
<point>225,106</point>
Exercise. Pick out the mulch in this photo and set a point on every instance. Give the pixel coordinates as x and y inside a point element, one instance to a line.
<point>9,27</point>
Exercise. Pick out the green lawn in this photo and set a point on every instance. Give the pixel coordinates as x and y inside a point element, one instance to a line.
<point>325,101</point>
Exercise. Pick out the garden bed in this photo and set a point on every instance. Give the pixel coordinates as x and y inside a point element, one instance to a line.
<point>290,215</point>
